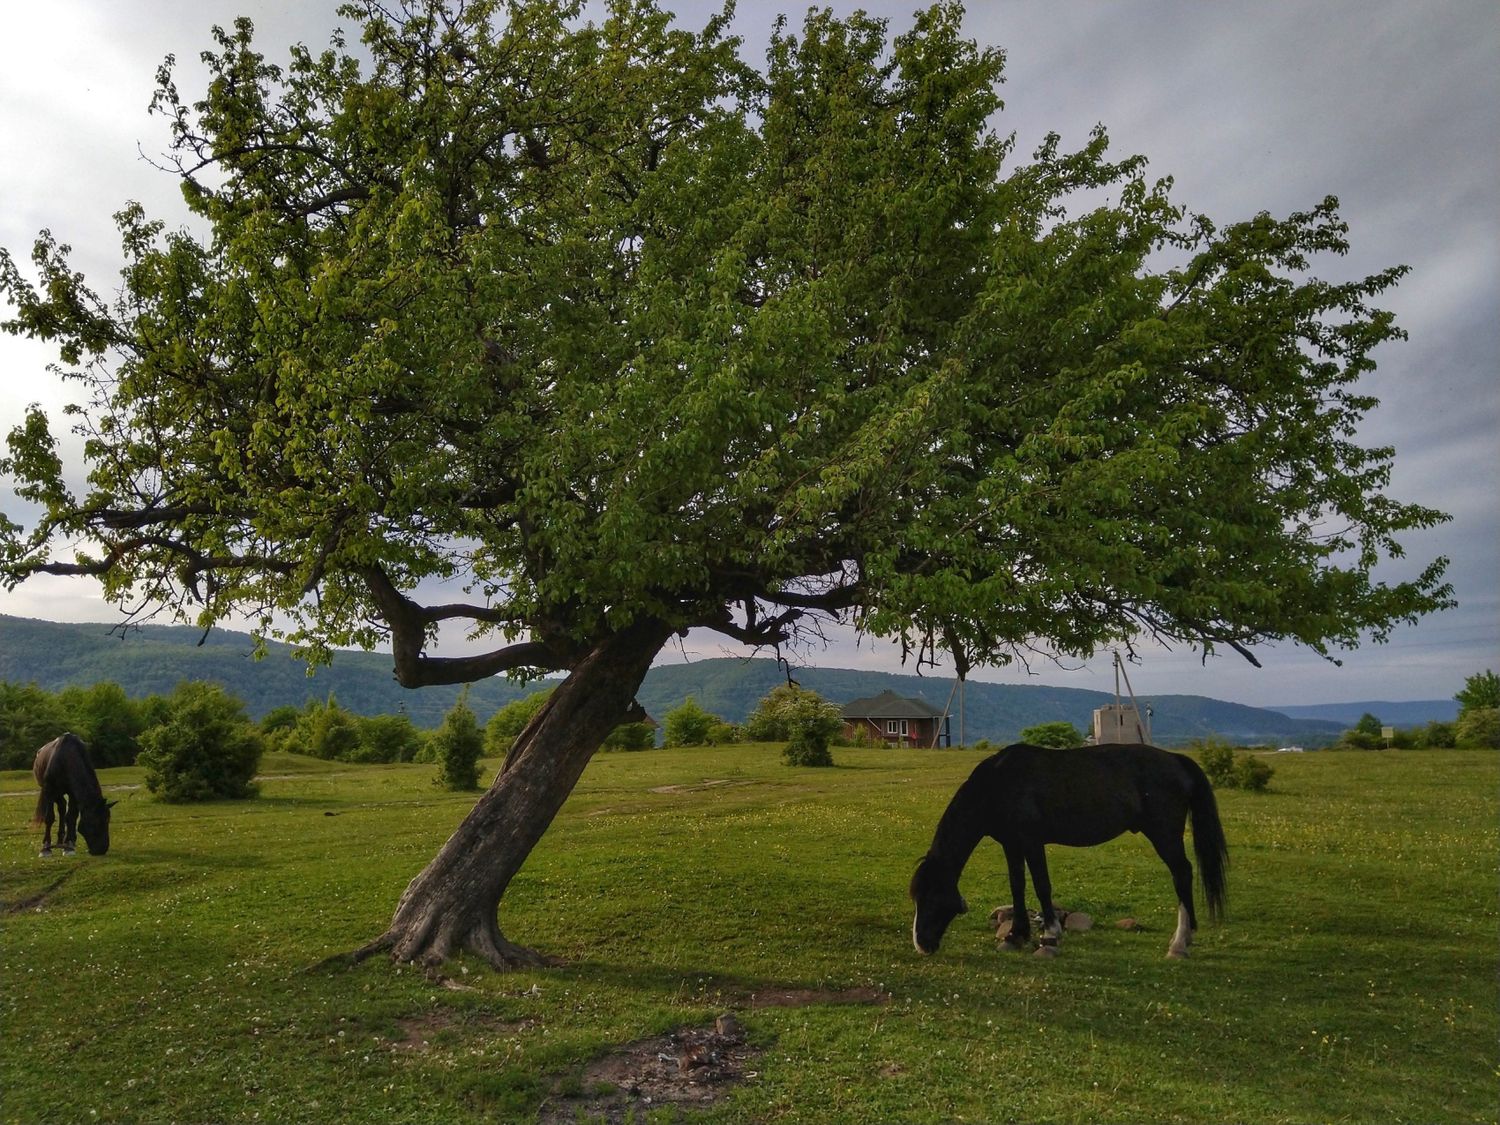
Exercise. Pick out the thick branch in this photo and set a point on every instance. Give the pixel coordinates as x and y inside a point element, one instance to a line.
<point>408,623</point>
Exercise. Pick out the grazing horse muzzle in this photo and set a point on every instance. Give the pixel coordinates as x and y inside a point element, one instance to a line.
<point>95,829</point>
<point>927,932</point>
<point>938,903</point>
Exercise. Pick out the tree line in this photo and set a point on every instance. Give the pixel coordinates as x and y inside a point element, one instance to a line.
<point>198,742</point>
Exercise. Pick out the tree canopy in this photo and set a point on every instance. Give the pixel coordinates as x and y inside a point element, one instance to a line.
<point>622,336</point>
<point>1480,691</point>
<point>609,326</point>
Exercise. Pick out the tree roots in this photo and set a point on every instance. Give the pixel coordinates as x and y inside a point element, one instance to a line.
<point>431,946</point>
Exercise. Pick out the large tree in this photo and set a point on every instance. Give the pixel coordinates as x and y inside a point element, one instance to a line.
<point>623,337</point>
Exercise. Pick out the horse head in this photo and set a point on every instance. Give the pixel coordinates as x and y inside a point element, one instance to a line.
<point>93,826</point>
<point>934,888</point>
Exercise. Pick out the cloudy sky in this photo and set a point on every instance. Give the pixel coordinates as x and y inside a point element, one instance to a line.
<point>1392,105</point>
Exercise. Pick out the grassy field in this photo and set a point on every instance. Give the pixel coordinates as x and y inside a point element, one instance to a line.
<point>175,978</point>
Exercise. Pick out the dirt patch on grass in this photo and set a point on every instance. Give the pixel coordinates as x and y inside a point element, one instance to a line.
<point>36,901</point>
<point>424,1030</point>
<point>691,1068</point>
<point>707,783</point>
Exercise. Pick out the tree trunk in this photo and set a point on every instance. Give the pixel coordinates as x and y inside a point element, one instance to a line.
<point>452,905</point>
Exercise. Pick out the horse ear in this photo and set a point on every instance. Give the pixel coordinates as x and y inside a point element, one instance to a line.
<point>110,804</point>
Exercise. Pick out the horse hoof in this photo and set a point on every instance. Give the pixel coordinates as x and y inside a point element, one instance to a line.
<point>45,853</point>
<point>1046,951</point>
<point>1177,955</point>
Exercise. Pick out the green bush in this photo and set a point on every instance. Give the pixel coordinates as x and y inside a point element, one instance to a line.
<point>810,722</point>
<point>767,723</point>
<point>1227,770</point>
<point>510,721</point>
<point>1061,735</point>
<point>803,719</point>
<point>457,746</point>
<point>861,738</point>
<point>280,719</point>
<point>1252,773</point>
<point>1436,736</point>
<point>328,731</point>
<point>207,748</point>
<point>386,738</point>
<point>689,724</point>
<point>721,733</point>
<point>1481,692</point>
<point>1217,759</point>
<point>631,736</point>
<point>1478,727</point>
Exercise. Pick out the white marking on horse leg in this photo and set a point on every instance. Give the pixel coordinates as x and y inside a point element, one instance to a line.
<point>1183,937</point>
<point>1055,930</point>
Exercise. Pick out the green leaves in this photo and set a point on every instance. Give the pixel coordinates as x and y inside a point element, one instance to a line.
<point>605,325</point>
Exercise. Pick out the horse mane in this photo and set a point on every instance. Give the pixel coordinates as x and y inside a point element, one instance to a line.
<point>961,826</point>
<point>81,773</point>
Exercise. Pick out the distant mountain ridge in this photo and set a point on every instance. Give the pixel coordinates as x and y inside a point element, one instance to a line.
<point>155,658</point>
<point>1408,713</point>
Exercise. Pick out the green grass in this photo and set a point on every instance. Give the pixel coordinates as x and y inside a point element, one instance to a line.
<point>172,979</point>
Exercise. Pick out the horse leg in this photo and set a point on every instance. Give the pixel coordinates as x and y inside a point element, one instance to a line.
<point>67,832</point>
<point>1174,855</point>
<point>1020,921</point>
<point>47,831</point>
<point>1036,859</point>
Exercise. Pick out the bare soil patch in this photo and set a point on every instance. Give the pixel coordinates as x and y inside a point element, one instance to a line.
<point>419,1032</point>
<point>690,1068</point>
<point>36,901</point>
<point>706,783</point>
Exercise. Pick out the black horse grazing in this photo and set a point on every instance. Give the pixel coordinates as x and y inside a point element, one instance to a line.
<point>1026,797</point>
<point>71,788</point>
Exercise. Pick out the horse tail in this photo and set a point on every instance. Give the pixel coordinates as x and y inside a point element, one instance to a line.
<point>1209,845</point>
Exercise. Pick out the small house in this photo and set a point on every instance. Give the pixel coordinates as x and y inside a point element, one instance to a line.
<point>897,721</point>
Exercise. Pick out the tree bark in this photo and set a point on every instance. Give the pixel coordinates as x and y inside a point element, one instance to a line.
<point>452,905</point>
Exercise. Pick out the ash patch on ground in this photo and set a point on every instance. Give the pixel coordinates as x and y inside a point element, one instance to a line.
<point>690,1068</point>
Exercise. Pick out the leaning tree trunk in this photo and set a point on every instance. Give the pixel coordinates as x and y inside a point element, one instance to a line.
<point>452,905</point>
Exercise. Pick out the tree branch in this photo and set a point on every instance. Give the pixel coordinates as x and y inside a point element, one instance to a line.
<point>408,621</point>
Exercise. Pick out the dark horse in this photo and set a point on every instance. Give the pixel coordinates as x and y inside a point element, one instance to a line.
<point>1026,797</point>
<point>71,788</point>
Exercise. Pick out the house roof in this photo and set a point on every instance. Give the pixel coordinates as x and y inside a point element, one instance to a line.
<point>889,705</point>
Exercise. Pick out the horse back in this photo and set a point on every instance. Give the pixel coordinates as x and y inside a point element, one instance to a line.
<point>63,764</point>
<point>1087,795</point>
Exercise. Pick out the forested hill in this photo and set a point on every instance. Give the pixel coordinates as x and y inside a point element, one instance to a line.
<point>156,658</point>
